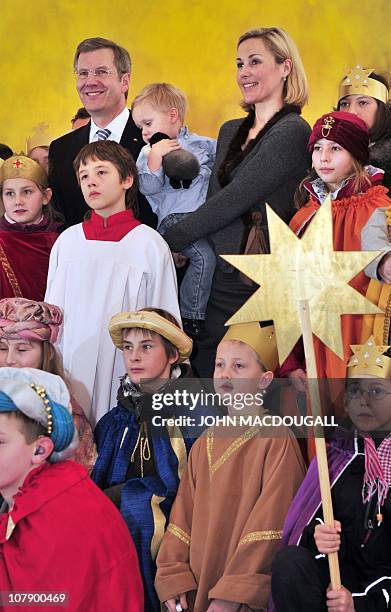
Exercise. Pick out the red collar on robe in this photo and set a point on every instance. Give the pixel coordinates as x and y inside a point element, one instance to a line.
<point>40,485</point>
<point>112,228</point>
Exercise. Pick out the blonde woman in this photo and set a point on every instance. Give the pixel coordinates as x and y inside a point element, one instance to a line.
<point>261,158</point>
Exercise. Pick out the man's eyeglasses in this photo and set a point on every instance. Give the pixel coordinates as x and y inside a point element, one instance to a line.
<point>100,73</point>
<point>372,394</point>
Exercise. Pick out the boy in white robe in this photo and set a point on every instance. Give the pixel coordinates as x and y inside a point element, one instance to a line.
<point>108,263</point>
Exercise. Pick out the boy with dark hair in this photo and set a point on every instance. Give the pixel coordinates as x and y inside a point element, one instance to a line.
<point>103,265</point>
<point>139,465</point>
<point>58,533</point>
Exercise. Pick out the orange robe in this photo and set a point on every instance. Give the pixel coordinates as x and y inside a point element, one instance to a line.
<point>226,522</point>
<point>349,217</point>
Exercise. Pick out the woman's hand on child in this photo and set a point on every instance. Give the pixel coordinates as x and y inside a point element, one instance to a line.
<point>384,268</point>
<point>298,379</point>
<point>221,605</point>
<point>159,150</point>
<point>327,538</point>
<point>172,604</point>
<point>340,600</point>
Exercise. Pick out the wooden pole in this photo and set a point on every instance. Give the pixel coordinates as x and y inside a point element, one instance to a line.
<point>320,445</point>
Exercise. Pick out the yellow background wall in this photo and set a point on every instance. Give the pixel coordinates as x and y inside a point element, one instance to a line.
<point>189,43</point>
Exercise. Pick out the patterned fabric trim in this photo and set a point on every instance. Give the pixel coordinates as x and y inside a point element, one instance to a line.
<point>236,444</point>
<point>387,321</point>
<point>388,219</point>
<point>10,273</point>
<point>179,533</point>
<point>257,536</point>
<point>387,312</point>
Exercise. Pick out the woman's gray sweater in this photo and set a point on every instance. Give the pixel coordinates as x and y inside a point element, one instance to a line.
<point>270,173</point>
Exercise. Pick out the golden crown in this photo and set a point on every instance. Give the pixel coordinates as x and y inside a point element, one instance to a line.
<point>358,81</point>
<point>20,166</point>
<point>261,339</point>
<point>368,360</point>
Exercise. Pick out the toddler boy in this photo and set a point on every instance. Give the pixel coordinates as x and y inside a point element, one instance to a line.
<point>160,108</point>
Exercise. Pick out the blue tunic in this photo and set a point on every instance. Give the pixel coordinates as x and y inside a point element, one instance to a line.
<point>145,501</point>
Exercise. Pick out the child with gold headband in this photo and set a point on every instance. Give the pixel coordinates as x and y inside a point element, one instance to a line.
<point>28,228</point>
<point>139,465</point>
<point>58,532</point>
<point>359,462</point>
<point>366,94</point>
<point>28,332</point>
<point>226,522</point>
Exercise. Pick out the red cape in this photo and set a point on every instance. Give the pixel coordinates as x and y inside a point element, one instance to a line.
<point>24,263</point>
<point>69,537</point>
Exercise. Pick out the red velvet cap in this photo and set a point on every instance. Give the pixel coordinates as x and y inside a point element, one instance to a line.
<point>346,129</point>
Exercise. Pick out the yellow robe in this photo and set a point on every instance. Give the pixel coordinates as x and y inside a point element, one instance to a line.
<point>227,519</point>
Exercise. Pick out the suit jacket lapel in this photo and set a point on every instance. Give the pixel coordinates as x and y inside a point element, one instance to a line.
<point>81,138</point>
<point>131,138</point>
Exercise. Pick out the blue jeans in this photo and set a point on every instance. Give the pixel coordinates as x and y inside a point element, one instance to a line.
<point>195,287</point>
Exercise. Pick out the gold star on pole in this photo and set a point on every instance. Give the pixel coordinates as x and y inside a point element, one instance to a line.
<point>303,269</point>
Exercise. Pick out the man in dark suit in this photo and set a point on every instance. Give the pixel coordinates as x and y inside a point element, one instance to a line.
<point>102,70</point>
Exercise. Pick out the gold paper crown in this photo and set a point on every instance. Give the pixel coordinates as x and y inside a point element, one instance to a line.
<point>261,339</point>
<point>41,137</point>
<point>358,81</point>
<point>20,166</point>
<point>154,322</point>
<point>368,360</point>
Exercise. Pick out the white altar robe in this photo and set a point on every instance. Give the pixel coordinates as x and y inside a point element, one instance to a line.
<point>91,280</point>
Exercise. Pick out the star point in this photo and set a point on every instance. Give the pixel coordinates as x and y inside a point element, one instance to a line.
<point>298,269</point>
